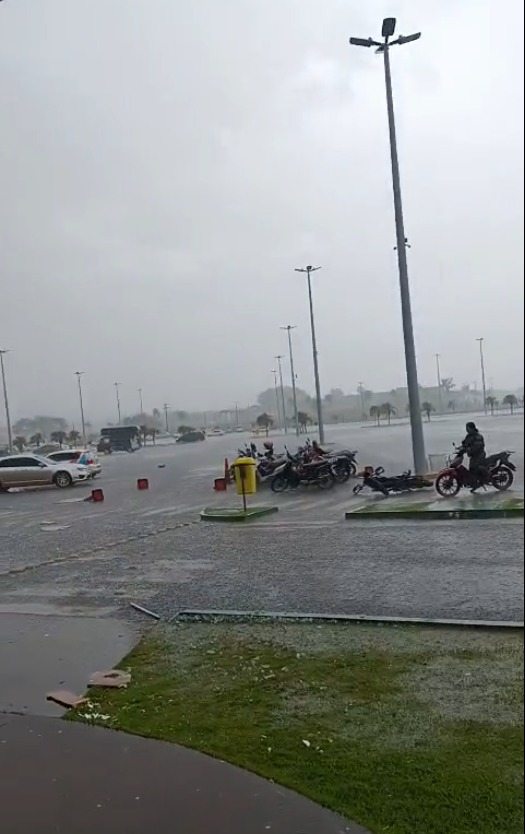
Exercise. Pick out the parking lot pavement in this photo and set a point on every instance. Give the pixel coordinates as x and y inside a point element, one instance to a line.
<point>60,553</point>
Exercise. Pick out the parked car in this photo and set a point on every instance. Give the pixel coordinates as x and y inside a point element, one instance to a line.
<point>191,437</point>
<point>33,470</point>
<point>84,457</point>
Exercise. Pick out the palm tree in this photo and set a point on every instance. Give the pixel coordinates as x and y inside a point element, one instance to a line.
<point>511,400</point>
<point>375,413</point>
<point>36,439</point>
<point>20,443</point>
<point>427,408</point>
<point>388,410</point>
<point>58,437</point>
<point>492,403</point>
<point>452,406</point>
<point>447,384</point>
<point>303,419</point>
<point>265,421</point>
<point>73,436</point>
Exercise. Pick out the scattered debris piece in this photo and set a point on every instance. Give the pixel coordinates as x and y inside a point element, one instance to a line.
<point>66,699</point>
<point>113,679</point>
<point>306,742</point>
<point>143,610</point>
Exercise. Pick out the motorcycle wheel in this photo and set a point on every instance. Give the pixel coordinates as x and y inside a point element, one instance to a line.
<point>447,485</point>
<point>342,471</point>
<point>279,483</point>
<point>326,480</point>
<point>502,478</point>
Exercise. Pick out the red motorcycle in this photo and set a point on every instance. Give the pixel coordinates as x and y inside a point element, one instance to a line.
<point>499,473</point>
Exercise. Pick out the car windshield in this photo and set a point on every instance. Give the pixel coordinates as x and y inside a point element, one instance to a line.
<point>46,461</point>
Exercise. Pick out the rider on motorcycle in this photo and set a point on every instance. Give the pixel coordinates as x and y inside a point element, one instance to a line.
<point>474,446</point>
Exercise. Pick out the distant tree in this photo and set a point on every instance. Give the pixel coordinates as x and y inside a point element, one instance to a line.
<point>388,410</point>
<point>427,408</point>
<point>375,413</point>
<point>157,415</point>
<point>153,432</point>
<point>303,419</point>
<point>447,384</point>
<point>265,421</point>
<point>144,432</point>
<point>452,405</point>
<point>511,400</point>
<point>492,403</point>
<point>185,429</point>
<point>73,436</point>
<point>36,439</point>
<point>58,437</point>
<point>20,443</point>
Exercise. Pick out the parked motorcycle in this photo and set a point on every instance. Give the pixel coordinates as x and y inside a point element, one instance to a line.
<point>297,472</point>
<point>375,480</point>
<point>499,473</point>
<point>343,463</point>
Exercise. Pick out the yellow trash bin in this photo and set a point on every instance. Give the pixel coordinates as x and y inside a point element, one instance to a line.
<point>245,476</point>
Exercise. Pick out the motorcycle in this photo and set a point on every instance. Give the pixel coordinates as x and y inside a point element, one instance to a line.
<point>499,473</point>
<point>376,481</point>
<point>298,472</point>
<point>343,463</point>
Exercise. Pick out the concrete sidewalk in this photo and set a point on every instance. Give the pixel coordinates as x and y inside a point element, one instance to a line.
<point>59,777</point>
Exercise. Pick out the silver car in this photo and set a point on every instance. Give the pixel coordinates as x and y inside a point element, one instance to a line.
<point>34,470</point>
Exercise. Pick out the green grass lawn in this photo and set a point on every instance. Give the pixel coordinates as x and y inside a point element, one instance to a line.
<point>404,730</point>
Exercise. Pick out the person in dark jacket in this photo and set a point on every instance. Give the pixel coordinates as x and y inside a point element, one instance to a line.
<point>474,446</point>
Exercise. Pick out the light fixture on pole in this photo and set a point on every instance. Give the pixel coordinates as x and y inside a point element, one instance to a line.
<point>79,375</point>
<point>416,422</point>
<point>117,395</point>
<point>289,328</point>
<point>279,358</point>
<point>483,378</point>
<point>6,403</point>
<point>308,270</point>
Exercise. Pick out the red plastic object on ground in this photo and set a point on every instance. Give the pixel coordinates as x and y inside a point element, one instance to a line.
<point>142,483</point>
<point>220,485</point>
<point>97,495</point>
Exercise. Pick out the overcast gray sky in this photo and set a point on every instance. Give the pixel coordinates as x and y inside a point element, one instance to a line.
<point>165,164</point>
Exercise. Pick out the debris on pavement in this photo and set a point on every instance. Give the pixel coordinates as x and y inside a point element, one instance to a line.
<point>143,610</point>
<point>66,699</point>
<point>112,679</point>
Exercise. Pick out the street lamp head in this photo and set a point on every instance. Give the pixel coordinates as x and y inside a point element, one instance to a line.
<point>368,42</point>
<point>408,38</point>
<point>389,27</point>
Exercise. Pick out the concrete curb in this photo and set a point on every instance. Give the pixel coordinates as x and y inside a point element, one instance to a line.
<point>210,615</point>
<point>225,514</point>
<point>435,515</point>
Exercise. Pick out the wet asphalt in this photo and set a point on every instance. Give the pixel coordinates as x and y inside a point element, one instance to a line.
<point>62,555</point>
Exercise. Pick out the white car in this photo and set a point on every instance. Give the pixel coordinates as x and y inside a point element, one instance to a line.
<point>32,471</point>
<point>83,457</point>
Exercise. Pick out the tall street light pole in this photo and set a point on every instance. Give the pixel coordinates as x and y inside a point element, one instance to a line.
<point>166,407</point>
<point>117,395</point>
<point>289,328</point>
<point>283,403</point>
<point>6,403</point>
<point>416,422</point>
<point>274,372</point>
<point>79,375</point>
<point>438,371</point>
<point>141,403</point>
<point>308,270</point>
<point>483,378</point>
